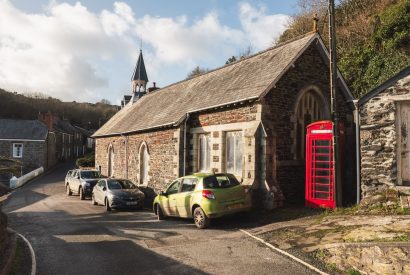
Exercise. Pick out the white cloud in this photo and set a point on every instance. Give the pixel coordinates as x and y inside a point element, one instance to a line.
<point>174,41</point>
<point>67,50</point>
<point>261,28</point>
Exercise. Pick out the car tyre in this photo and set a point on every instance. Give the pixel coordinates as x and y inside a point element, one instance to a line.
<point>81,192</point>
<point>107,205</point>
<point>68,190</point>
<point>200,218</point>
<point>160,214</point>
<point>93,200</point>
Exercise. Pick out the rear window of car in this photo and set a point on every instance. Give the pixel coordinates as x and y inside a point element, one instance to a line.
<point>121,184</point>
<point>220,181</point>
<point>90,174</point>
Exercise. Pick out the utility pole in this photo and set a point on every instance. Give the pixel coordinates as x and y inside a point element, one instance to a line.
<point>333,104</point>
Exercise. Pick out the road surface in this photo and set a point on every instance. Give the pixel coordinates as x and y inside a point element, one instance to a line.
<point>70,236</point>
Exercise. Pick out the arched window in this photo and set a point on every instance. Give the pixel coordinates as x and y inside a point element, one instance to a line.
<point>143,163</point>
<point>310,107</point>
<point>110,171</point>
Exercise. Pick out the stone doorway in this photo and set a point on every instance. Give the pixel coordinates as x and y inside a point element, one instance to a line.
<point>403,154</point>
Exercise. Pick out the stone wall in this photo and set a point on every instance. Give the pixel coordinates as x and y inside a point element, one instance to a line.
<point>234,114</point>
<point>34,153</point>
<point>378,138</point>
<point>371,258</point>
<point>278,116</point>
<point>163,150</point>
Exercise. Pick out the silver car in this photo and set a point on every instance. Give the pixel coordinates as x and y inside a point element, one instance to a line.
<point>117,193</point>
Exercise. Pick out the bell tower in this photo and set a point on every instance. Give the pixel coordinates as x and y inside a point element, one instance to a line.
<point>139,79</point>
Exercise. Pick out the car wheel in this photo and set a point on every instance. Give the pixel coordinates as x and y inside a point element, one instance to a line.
<point>93,200</point>
<point>68,190</point>
<point>81,192</point>
<point>200,219</point>
<point>160,214</point>
<point>107,205</point>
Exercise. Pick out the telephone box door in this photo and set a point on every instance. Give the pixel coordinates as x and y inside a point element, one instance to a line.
<point>320,186</point>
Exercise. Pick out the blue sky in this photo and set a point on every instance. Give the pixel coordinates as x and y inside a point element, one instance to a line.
<point>86,50</point>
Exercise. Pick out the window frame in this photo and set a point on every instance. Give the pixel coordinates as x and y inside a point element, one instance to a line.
<point>208,151</point>
<point>14,146</point>
<point>194,180</point>
<point>234,171</point>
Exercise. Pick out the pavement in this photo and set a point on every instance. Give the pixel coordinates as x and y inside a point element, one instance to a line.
<point>70,236</point>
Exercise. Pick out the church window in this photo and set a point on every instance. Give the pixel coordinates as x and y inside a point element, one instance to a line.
<point>204,154</point>
<point>234,152</point>
<point>144,158</point>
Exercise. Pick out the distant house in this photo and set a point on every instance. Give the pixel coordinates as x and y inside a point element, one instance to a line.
<point>87,142</point>
<point>385,135</point>
<point>247,118</point>
<point>69,139</point>
<point>28,141</point>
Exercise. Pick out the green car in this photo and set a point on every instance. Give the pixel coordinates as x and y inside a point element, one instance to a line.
<point>202,197</point>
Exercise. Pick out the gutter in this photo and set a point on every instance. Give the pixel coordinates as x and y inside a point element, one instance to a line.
<point>357,123</point>
<point>185,147</point>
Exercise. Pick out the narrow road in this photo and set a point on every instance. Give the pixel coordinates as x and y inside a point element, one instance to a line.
<point>70,236</point>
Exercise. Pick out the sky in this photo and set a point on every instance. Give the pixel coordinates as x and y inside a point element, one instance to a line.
<point>86,51</point>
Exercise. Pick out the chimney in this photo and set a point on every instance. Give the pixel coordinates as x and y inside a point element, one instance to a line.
<point>47,119</point>
<point>315,21</point>
<point>151,89</point>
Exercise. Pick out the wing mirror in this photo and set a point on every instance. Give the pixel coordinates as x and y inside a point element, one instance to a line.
<point>162,193</point>
<point>104,188</point>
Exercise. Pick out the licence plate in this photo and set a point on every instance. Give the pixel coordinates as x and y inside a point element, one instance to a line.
<point>132,203</point>
<point>235,206</point>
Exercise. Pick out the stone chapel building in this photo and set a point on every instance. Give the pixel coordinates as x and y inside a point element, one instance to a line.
<point>247,118</point>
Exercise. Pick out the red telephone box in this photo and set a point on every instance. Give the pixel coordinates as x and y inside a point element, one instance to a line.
<point>320,185</point>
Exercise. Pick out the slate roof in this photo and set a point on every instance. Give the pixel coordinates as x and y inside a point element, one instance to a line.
<point>385,85</point>
<point>64,126</point>
<point>139,72</point>
<point>247,79</point>
<point>21,129</point>
<point>83,131</point>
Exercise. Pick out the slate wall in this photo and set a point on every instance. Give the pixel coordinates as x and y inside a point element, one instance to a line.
<point>378,138</point>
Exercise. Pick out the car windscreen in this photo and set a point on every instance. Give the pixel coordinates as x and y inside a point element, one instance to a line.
<point>220,181</point>
<point>90,175</point>
<point>120,184</point>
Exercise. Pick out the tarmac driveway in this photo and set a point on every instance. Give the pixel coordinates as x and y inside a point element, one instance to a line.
<point>70,236</point>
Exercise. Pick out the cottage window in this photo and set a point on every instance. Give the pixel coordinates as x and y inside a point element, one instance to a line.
<point>310,108</point>
<point>234,152</point>
<point>17,150</point>
<point>204,154</point>
<point>144,158</point>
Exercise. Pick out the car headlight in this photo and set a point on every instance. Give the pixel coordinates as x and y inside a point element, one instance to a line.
<point>87,184</point>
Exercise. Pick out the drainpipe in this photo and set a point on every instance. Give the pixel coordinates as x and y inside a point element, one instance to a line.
<point>185,148</point>
<point>126,155</point>
<point>357,123</point>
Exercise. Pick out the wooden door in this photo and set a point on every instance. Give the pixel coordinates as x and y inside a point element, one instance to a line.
<point>404,150</point>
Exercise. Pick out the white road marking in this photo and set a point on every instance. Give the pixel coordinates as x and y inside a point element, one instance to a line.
<point>285,253</point>
<point>33,255</point>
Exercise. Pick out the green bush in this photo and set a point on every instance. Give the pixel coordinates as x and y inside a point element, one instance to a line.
<point>86,161</point>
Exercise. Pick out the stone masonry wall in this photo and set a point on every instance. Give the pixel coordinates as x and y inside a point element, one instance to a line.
<point>371,258</point>
<point>34,153</point>
<point>235,114</point>
<point>278,113</point>
<point>163,150</point>
<point>378,138</point>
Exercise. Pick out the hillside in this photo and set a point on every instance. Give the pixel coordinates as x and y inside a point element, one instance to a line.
<point>373,37</point>
<point>87,115</point>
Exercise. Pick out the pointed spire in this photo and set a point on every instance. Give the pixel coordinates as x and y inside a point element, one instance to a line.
<point>140,74</point>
